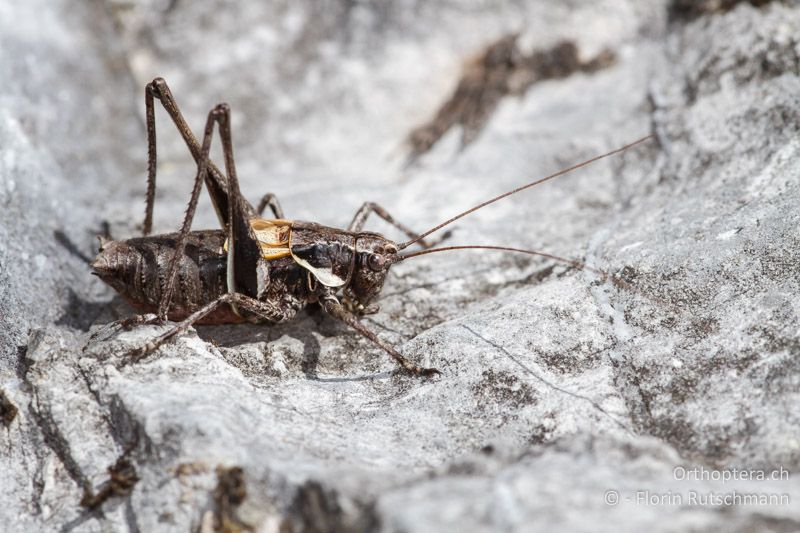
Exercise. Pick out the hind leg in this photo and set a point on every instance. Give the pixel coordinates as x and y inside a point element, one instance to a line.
<point>255,308</point>
<point>215,180</point>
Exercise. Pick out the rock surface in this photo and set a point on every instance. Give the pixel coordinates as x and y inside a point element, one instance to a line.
<point>559,389</point>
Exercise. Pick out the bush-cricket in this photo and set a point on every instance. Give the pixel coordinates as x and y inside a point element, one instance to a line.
<point>260,269</point>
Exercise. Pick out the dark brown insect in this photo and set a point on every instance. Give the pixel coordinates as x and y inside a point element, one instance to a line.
<point>258,269</point>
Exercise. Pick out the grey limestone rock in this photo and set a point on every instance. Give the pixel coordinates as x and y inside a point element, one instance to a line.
<point>566,401</point>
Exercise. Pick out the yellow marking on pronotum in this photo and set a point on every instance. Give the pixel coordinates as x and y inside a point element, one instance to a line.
<point>272,236</point>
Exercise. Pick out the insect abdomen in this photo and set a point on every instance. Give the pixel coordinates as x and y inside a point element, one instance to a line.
<point>137,269</point>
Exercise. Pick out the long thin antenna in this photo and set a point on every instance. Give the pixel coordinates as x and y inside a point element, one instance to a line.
<point>576,264</point>
<point>519,189</point>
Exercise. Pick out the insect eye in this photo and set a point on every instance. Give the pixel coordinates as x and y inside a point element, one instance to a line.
<point>376,262</point>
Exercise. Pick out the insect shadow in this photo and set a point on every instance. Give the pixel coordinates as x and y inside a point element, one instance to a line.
<point>300,329</point>
<point>78,313</point>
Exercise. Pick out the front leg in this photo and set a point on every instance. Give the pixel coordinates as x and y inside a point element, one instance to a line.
<point>371,207</point>
<point>332,306</point>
